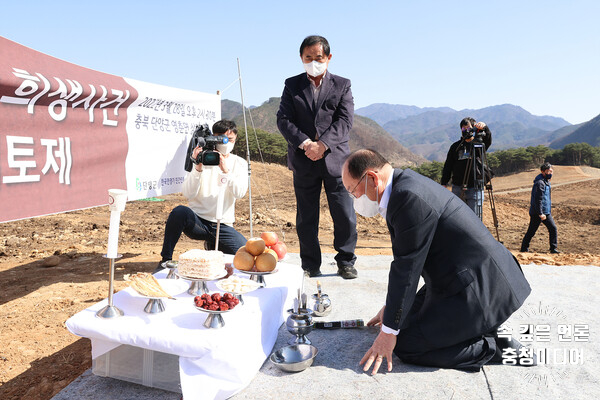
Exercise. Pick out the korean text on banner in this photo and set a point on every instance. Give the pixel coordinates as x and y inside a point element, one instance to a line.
<point>68,134</point>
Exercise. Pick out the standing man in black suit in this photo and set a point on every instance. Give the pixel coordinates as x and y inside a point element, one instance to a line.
<point>472,282</point>
<point>315,117</point>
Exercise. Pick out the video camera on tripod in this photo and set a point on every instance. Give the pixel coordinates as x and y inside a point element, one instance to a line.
<point>203,137</point>
<point>477,170</point>
<point>477,134</point>
<point>466,146</point>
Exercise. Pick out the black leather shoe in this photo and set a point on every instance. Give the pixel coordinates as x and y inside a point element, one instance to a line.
<point>347,272</point>
<point>522,358</point>
<point>314,273</point>
<point>554,251</point>
<point>524,250</point>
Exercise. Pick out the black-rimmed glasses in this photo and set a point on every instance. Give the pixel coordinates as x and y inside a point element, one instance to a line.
<point>353,190</point>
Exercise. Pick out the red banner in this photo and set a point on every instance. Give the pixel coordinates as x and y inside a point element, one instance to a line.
<point>63,134</point>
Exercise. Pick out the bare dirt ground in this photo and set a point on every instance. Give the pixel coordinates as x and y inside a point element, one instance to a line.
<point>52,267</point>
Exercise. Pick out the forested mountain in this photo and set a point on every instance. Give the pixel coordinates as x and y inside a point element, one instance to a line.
<point>407,135</point>
<point>365,132</point>
<point>383,113</point>
<point>430,132</point>
<point>588,132</point>
<point>264,116</point>
<point>230,109</point>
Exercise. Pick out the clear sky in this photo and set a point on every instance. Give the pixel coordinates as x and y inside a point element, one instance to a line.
<point>542,55</point>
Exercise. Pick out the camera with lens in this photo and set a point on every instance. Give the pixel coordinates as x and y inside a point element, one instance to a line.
<point>476,134</point>
<point>203,137</point>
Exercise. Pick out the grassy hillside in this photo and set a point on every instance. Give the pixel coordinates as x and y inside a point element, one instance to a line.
<point>588,132</point>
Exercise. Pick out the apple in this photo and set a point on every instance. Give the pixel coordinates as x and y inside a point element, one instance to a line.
<point>270,238</point>
<point>279,248</point>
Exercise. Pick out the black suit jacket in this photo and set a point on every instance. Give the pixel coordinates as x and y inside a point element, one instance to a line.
<point>472,282</point>
<point>330,117</point>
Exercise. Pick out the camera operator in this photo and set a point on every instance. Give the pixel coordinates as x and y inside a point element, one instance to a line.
<point>458,158</point>
<point>201,188</point>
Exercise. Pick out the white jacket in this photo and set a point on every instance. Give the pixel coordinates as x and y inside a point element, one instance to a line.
<point>202,189</point>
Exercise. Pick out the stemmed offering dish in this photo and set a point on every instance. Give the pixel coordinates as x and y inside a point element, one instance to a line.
<point>155,305</point>
<point>198,285</point>
<point>147,286</point>
<point>258,276</point>
<point>237,286</point>
<point>171,266</point>
<point>259,256</point>
<point>215,305</point>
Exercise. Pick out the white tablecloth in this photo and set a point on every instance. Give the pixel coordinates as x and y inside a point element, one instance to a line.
<point>213,363</point>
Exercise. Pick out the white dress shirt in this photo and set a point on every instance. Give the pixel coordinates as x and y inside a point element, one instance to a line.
<point>383,204</point>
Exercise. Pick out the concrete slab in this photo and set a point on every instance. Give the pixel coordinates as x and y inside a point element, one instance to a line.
<point>564,301</point>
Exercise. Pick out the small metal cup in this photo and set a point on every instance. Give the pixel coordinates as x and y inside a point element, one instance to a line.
<point>322,305</point>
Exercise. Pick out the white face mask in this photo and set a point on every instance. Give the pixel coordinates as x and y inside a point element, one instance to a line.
<point>365,206</point>
<point>315,68</point>
<point>225,148</point>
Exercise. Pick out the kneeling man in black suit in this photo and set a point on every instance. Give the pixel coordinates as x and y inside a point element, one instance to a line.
<point>472,282</point>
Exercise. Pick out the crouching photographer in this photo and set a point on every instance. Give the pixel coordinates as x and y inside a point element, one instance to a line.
<point>459,163</point>
<point>209,167</point>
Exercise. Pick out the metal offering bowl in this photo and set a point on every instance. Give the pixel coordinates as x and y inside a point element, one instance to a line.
<point>300,325</point>
<point>294,358</point>
<point>301,311</point>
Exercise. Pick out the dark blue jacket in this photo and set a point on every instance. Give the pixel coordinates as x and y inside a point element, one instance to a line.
<point>473,283</point>
<point>540,196</point>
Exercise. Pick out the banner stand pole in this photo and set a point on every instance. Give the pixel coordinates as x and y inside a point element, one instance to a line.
<point>220,199</point>
<point>247,148</point>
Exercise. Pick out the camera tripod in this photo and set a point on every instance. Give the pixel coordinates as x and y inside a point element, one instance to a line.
<point>477,165</point>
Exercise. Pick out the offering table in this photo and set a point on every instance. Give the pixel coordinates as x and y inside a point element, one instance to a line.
<point>213,363</point>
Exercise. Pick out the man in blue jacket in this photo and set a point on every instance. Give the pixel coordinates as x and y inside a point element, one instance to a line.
<point>539,211</point>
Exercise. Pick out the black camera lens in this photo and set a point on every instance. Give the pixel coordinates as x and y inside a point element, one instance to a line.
<point>210,157</point>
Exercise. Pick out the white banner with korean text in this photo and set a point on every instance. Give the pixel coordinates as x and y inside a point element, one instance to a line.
<point>68,134</point>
